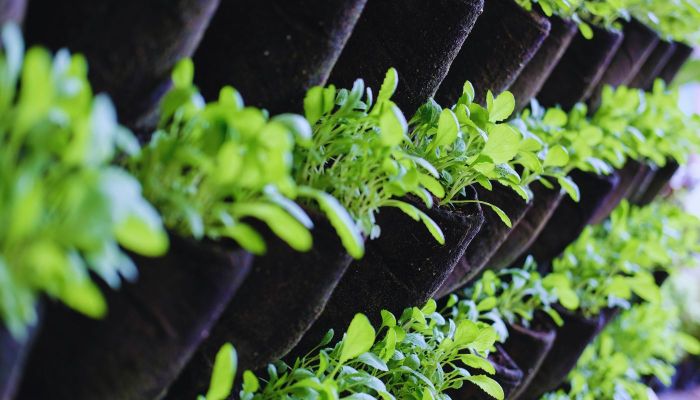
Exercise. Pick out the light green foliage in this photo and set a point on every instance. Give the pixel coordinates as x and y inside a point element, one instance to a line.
<point>64,209</point>
<point>211,167</point>
<point>420,356</point>
<point>674,19</point>
<point>510,296</point>
<point>611,262</point>
<point>356,154</point>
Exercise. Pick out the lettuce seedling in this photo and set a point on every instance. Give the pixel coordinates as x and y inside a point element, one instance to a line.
<point>211,167</point>
<point>356,155</point>
<point>65,210</point>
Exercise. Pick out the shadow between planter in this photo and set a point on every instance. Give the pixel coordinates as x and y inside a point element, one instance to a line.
<point>153,327</point>
<point>644,79</point>
<point>279,300</point>
<point>273,50</point>
<point>630,177</point>
<point>659,180</point>
<point>504,39</point>
<point>536,72</point>
<point>681,54</point>
<point>580,68</point>
<point>544,203</point>
<point>402,268</point>
<point>13,357</point>
<point>637,44</point>
<point>508,375</point>
<point>492,234</point>
<point>419,38</point>
<point>528,347</point>
<point>131,46</point>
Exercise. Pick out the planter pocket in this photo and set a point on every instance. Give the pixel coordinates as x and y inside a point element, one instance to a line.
<point>630,177</point>
<point>492,234</point>
<point>658,182</point>
<point>418,38</point>
<point>504,39</point>
<point>570,217</point>
<point>681,54</point>
<point>152,328</point>
<point>280,299</point>
<point>638,43</point>
<point>536,72</point>
<point>508,375</point>
<point>273,50</point>
<point>402,268</point>
<point>644,79</point>
<point>528,347</point>
<point>544,203</point>
<point>130,45</point>
<point>13,356</point>
<point>580,68</point>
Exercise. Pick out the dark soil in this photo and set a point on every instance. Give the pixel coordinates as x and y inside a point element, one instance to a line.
<point>502,42</point>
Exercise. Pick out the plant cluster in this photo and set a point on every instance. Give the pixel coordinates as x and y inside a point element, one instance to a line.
<point>65,211</point>
<point>422,355</point>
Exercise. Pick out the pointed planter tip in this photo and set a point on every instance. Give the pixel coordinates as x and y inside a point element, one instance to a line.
<point>492,234</point>
<point>528,347</point>
<point>630,177</point>
<point>580,68</point>
<point>152,328</point>
<point>536,72</point>
<point>658,182</point>
<point>418,38</point>
<point>280,299</point>
<point>681,54</point>
<point>131,46</point>
<point>403,267</point>
<point>644,79</point>
<point>503,41</point>
<point>272,51</point>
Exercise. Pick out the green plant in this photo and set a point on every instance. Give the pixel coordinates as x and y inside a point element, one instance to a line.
<point>356,154</point>
<point>212,167</point>
<point>65,211</point>
<point>419,356</point>
<point>676,20</point>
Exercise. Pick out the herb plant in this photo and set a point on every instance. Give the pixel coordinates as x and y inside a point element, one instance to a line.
<point>64,209</point>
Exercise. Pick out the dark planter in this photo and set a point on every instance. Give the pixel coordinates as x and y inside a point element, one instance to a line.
<point>638,43</point>
<point>491,235</point>
<point>12,11</point>
<point>545,202</point>
<point>418,38</point>
<point>630,176</point>
<point>508,375</point>
<point>661,178</point>
<point>13,356</point>
<point>680,55</point>
<point>644,79</point>
<point>580,68</point>
<point>131,45</point>
<point>273,50</point>
<point>536,72</point>
<point>502,42</point>
<point>570,341</point>
<point>279,300</point>
<point>153,327</point>
<point>649,171</point>
<point>528,347</point>
<point>570,217</point>
<point>402,268</point>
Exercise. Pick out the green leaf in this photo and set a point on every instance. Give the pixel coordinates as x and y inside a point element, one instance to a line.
<point>140,237</point>
<point>282,224</point>
<point>389,85</point>
<point>502,107</point>
<point>468,90</point>
<point>488,385</point>
<point>502,145</point>
<point>247,237</point>
<point>250,382</point>
<point>474,361</point>
<point>570,187</point>
<point>557,156</point>
<point>417,215</point>
<point>358,339</point>
<point>183,73</point>
<point>314,104</point>
<point>466,332</point>
<point>225,365</point>
<point>432,184</point>
<point>393,126</point>
<point>373,361</point>
<point>447,130</point>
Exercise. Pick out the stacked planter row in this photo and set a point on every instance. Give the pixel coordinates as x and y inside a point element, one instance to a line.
<point>162,332</point>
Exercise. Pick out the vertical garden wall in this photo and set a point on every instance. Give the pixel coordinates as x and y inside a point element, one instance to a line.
<point>357,199</point>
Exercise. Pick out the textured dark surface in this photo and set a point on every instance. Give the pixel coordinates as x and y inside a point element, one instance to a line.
<point>580,68</point>
<point>13,356</point>
<point>637,45</point>
<point>681,54</point>
<point>131,45</point>
<point>508,375</point>
<point>504,39</point>
<point>282,296</point>
<point>402,268</point>
<point>419,38</point>
<point>536,72</point>
<point>529,347</point>
<point>272,51</point>
<point>630,177</point>
<point>658,182</point>
<point>653,66</point>
<point>12,10</point>
<point>491,235</point>
<point>152,329</point>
